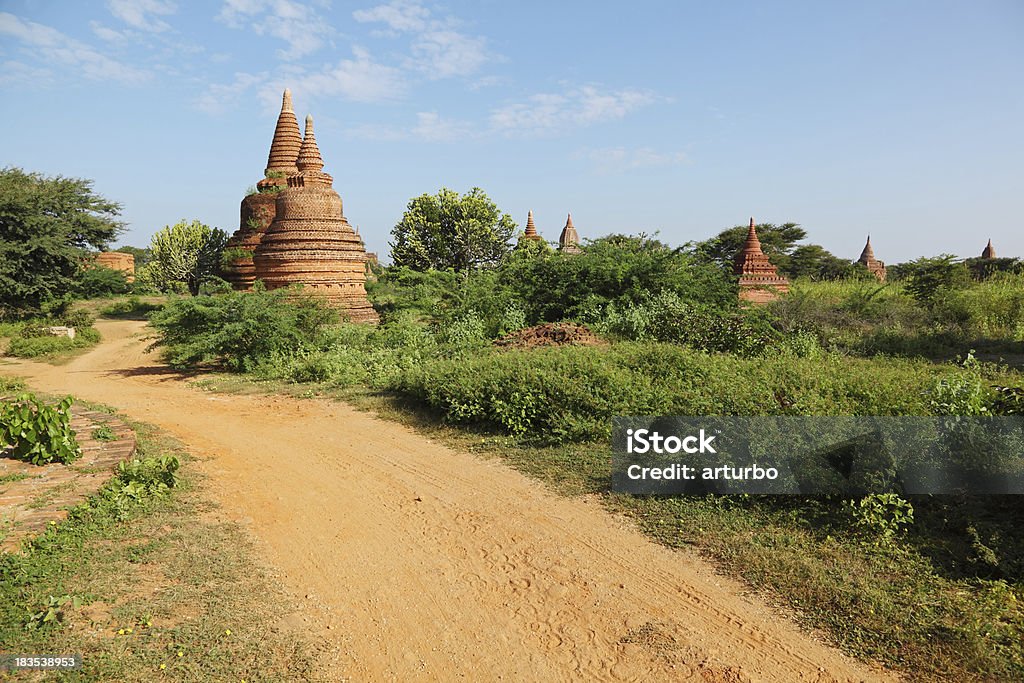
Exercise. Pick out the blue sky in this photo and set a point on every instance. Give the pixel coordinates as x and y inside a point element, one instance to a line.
<point>902,119</point>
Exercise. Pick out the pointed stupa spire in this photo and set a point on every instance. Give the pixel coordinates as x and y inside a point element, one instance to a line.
<point>868,254</point>
<point>989,251</point>
<point>287,141</point>
<point>759,280</point>
<point>309,154</point>
<point>531,229</point>
<point>569,240</point>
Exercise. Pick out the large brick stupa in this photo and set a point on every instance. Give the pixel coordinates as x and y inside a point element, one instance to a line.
<point>258,209</point>
<point>310,242</point>
<point>759,280</point>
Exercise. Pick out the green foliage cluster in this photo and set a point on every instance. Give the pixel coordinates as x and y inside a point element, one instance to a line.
<point>99,281</point>
<point>451,231</point>
<point>571,394</point>
<point>666,317</point>
<point>132,307</point>
<point>36,432</point>
<point>239,331</point>
<point>48,226</point>
<point>186,253</point>
<point>867,317</point>
<point>779,243</point>
<point>34,342</point>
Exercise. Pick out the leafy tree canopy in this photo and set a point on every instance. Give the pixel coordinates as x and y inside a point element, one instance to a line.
<point>447,230</point>
<point>48,225</point>
<point>142,256</point>
<point>188,253</point>
<point>779,243</point>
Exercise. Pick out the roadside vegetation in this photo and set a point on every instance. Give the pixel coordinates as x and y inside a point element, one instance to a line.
<point>149,584</point>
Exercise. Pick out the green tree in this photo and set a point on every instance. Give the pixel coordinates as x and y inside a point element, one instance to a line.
<point>447,230</point>
<point>48,225</point>
<point>929,279</point>
<point>185,252</point>
<point>815,262</point>
<point>777,242</point>
<point>142,256</point>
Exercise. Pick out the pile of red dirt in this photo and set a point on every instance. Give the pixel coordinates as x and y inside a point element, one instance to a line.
<point>550,334</point>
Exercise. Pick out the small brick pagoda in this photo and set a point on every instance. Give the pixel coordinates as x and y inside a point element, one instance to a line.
<point>759,280</point>
<point>989,251</point>
<point>868,260</point>
<point>531,229</point>
<point>118,260</point>
<point>258,209</point>
<point>311,243</point>
<point>569,240</point>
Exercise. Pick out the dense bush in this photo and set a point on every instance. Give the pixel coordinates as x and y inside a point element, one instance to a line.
<point>240,330</point>
<point>666,317</point>
<point>99,281</point>
<point>569,394</point>
<point>33,342</point>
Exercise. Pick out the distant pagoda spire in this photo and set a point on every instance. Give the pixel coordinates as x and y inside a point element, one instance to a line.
<point>531,229</point>
<point>989,251</point>
<point>284,149</point>
<point>868,260</point>
<point>758,279</point>
<point>569,240</point>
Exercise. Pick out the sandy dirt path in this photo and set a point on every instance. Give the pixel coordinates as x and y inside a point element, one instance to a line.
<point>422,563</point>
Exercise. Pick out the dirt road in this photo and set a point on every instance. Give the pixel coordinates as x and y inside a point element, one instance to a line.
<point>422,563</point>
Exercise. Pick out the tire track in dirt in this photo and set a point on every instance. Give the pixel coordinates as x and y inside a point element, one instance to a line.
<point>423,563</point>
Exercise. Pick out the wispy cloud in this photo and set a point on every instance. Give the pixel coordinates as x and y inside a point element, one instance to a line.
<point>48,45</point>
<point>360,79</point>
<point>437,48</point>
<point>545,113</point>
<point>143,15</point>
<point>219,98</point>
<point>13,72</point>
<point>429,127</point>
<point>611,159</point>
<point>300,26</point>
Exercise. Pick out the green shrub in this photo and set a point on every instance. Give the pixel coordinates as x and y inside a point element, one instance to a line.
<point>36,343</point>
<point>132,307</point>
<point>240,330</point>
<point>37,432</point>
<point>571,394</point>
<point>100,281</point>
<point>667,317</point>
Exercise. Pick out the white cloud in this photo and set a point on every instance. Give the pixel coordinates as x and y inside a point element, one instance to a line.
<point>611,159</point>
<point>359,79</point>
<point>106,33</point>
<point>219,98</point>
<point>430,127</point>
<point>298,25</point>
<point>12,72</point>
<point>437,49</point>
<point>142,14</point>
<point>399,15</point>
<point>50,45</point>
<point>577,107</point>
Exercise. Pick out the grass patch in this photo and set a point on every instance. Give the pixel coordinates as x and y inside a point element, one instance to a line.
<point>51,348</point>
<point>131,587</point>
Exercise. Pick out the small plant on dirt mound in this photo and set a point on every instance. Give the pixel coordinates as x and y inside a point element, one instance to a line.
<point>36,432</point>
<point>550,334</point>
